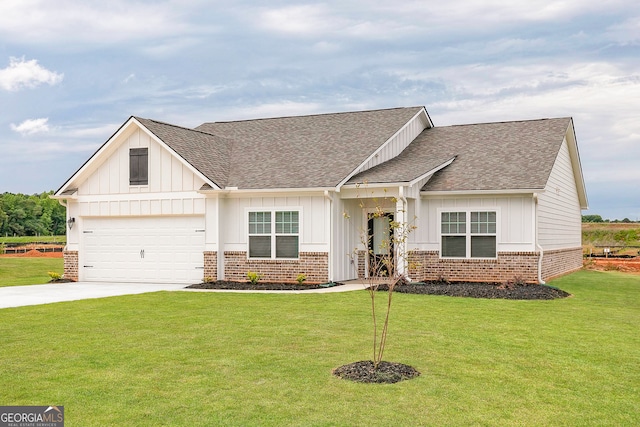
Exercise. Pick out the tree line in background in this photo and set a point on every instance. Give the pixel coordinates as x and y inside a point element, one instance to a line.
<point>31,215</point>
<point>598,218</point>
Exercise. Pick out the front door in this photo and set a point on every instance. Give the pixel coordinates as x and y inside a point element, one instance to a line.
<point>380,233</point>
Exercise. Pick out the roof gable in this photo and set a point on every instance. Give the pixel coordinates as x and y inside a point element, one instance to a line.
<point>316,151</point>
<point>494,156</point>
<point>205,152</point>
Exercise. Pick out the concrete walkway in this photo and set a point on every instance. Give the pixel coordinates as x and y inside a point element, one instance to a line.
<point>19,296</point>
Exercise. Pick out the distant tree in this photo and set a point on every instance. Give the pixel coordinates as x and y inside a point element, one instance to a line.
<point>30,215</point>
<point>592,218</point>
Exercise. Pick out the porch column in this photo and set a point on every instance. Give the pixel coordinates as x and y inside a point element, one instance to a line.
<point>401,237</point>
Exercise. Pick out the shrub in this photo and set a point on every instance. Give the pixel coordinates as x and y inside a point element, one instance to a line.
<point>253,277</point>
<point>54,275</point>
<point>301,278</point>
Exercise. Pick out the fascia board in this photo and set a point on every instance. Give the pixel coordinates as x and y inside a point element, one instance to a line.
<point>381,147</point>
<point>244,192</point>
<point>88,164</point>
<point>576,165</point>
<point>458,193</point>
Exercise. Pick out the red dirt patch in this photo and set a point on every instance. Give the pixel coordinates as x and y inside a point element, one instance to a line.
<point>626,265</point>
<point>34,253</point>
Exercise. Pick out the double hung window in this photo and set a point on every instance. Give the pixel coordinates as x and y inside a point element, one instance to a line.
<point>274,234</point>
<point>468,234</point>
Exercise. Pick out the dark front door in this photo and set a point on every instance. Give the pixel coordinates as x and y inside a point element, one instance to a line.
<point>380,235</point>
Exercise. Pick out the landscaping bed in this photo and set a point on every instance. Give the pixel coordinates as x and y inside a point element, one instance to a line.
<point>481,290</point>
<point>454,289</point>
<point>260,286</point>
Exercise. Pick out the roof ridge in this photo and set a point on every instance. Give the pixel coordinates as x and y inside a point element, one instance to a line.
<point>313,115</point>
<point>178,126</point>
<point>506,121</point>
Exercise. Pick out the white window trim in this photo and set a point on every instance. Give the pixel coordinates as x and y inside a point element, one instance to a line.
<point>273,233</point>
<point>468,230</point>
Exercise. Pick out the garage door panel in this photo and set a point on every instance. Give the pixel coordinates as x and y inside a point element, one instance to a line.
<point>148,249</point>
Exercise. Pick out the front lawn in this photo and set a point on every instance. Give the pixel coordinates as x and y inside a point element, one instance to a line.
<point>187,359</point>
<point>28,271</point>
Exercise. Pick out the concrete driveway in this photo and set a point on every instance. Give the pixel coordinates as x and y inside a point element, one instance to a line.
<point>18,296</point>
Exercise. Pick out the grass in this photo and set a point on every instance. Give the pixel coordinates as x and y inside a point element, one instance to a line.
<point>32,239</point>
<point>185,359</point>
<point>28,271</point>
<point>624,237</point>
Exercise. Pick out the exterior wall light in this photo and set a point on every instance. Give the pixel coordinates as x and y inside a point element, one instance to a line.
<point>70,222</point>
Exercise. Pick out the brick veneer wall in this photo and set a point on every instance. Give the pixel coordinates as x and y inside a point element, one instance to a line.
<point>70,265</point>
<point>211,264</point>
<point>426,265</point>
<point>562,261</point>
<point>314,264</point>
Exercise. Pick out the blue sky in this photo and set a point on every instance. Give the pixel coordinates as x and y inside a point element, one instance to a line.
<point>71,72</point>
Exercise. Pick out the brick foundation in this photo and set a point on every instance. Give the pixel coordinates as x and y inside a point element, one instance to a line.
<point>211,265</point>
<point>562,261</point>
<point>314,264</point>
<point>70,265</point>
<point>426,265</point>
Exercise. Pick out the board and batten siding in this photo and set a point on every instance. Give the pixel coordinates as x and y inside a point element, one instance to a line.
<point>559,214</point>
<point>166,172</point>
<point>397,143</point>
<point>347,226</point>
<point>314,223</point>
<point>171,189</point>
<point>515,220</point>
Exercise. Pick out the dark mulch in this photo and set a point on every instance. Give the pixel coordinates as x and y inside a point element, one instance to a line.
<point>387,372</point>
<point>260,286</point>
<point>453,289</point>
<point>481,290</point>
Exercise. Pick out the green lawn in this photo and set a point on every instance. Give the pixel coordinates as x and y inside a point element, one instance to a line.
<point>28,271</point>
<point>191,359</point>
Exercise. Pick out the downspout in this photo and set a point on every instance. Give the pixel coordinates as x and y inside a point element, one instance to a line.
<point>329,197</point>
<point>540,281</point>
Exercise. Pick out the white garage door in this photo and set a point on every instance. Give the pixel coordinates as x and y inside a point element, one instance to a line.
<point>147,249</point>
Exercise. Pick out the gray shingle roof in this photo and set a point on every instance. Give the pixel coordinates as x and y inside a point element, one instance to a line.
<point>321,150</point>
<point>305,151</point>
<point>489,156</point>
<point>207,153</point>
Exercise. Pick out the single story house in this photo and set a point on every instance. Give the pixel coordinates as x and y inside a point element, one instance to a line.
<point>292,195</point>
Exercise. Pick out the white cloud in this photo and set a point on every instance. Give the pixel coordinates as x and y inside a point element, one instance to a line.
<point>26,74</point>
<point>92,22</point>
<point>31,126</point>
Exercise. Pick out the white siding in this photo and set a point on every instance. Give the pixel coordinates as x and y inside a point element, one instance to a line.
<point>559,215</point>
<point>347,224</point>
<point>314,231</point>
<point>515,220</point>
<point>166,172</point>
<point>397,143</point>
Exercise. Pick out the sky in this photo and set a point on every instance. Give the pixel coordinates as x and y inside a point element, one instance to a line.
<point>72,72</point>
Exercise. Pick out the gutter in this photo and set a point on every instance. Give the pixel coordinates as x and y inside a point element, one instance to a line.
<point>540,281</point>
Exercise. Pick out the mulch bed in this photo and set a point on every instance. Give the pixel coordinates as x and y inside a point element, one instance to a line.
<point>260,286</point>
<point>387,372</point>
<point>454,289</point>
<point>481,290</point>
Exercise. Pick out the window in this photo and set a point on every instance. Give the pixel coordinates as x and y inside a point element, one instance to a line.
<point>468,234</point>
<point>138,166</point>
<point>274,234</point>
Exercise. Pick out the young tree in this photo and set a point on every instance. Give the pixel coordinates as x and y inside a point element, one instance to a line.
<point>385,237</point>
